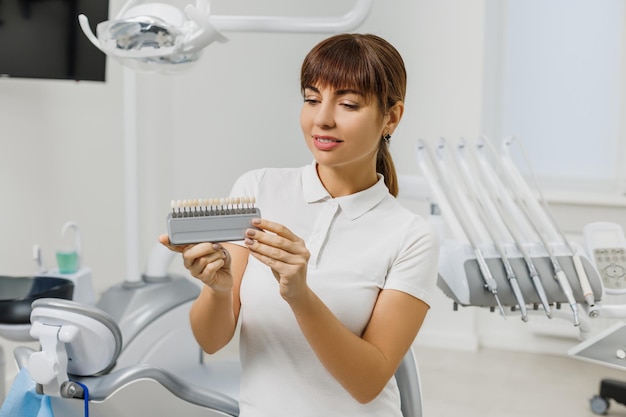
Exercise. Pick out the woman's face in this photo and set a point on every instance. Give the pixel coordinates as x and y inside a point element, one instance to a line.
<point>342,128</point>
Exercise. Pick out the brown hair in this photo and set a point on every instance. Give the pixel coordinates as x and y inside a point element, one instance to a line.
<point>368,64</point>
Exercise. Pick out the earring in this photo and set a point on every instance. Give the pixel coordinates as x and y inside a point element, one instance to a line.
<point>387,138</point>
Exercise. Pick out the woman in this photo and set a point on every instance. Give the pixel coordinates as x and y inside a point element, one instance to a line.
<point>333,283</point>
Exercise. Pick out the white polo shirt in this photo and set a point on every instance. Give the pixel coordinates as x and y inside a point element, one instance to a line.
<point>360,244</point>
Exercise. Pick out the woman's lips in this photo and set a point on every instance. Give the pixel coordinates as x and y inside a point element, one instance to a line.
<point>325,143</point>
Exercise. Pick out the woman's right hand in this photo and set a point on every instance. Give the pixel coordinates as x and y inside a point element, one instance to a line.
<point>208,262</point>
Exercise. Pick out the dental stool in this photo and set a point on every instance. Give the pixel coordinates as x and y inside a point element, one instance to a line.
<point>609,389</point>
<point>407,377</point>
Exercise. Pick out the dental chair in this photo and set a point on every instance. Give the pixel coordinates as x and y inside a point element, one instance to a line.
<point>89,356</point>
<point>80,347</point>
<point>133,353</point>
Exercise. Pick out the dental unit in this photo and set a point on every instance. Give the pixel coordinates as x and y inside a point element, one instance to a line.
<point>480,188</point>
<point>512,250</point>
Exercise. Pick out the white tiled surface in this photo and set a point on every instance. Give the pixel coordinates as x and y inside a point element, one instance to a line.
<point>501,383</point>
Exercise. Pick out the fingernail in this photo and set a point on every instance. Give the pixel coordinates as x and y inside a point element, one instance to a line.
<point>256,221</point>
<point>248,241</point>
<point>250,232</point>
<point>216,246</point>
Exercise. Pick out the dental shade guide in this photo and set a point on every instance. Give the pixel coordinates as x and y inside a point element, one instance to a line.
<point>210,220</point>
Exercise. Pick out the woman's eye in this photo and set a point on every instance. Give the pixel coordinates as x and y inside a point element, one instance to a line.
<point>350,106</point>
<point>311,100</point>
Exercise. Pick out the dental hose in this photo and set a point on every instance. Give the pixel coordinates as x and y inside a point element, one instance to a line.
<point>75,389</point>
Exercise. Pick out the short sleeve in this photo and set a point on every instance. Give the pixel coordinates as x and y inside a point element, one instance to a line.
<point>415,269</point>
<point>247,185</point>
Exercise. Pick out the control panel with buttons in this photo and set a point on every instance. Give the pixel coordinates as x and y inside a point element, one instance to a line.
<point>605,242</point>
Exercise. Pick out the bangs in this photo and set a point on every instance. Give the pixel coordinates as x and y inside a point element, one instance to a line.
<point>344,63</point>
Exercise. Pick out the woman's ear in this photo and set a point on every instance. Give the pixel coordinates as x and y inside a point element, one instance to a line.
<point>395,115</point>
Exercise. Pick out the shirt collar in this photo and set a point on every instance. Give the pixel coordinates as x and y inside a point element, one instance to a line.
<point>312,187</point>
<point>354,205</point>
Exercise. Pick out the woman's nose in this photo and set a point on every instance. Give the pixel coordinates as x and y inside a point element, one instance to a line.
<point>325,116</point>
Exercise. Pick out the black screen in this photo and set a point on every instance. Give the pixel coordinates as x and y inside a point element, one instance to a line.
<point>42,39</point>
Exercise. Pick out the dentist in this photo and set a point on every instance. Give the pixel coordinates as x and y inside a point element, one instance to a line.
<point>333,286</point>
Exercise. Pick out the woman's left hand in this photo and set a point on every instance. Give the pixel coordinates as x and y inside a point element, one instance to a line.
<point>285,253</point>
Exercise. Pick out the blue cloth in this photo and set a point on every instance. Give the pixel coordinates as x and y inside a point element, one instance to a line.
<point>23,401</point>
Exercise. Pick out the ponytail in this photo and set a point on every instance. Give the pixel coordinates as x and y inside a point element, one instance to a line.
<point>386,167</point>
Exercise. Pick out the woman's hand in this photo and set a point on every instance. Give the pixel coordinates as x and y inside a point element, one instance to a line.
<point>208,262</point>
<point>285,254</point>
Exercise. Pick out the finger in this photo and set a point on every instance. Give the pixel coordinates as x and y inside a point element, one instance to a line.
<point>273,263</point>
<point>201,249</point>
<point>205,264</point>
<point>205,267</point>
<point>274,227</point>
<point>267,243</point>
<point>260,249</point>
<point>165,241</point>
<point>273,245</point>
<point>269,251</point>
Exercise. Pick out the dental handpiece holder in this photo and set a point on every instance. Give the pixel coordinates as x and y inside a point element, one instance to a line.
<point>459,260</point>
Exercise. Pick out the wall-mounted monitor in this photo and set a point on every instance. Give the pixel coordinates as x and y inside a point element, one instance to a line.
<point>42,39</point>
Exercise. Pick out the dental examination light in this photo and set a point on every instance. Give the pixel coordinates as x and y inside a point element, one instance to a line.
<point>160,37</point>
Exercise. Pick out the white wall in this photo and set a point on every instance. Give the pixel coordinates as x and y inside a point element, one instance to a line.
<point>60,160</point>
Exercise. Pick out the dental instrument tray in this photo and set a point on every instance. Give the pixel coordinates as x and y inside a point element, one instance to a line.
<point>210,220</point>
